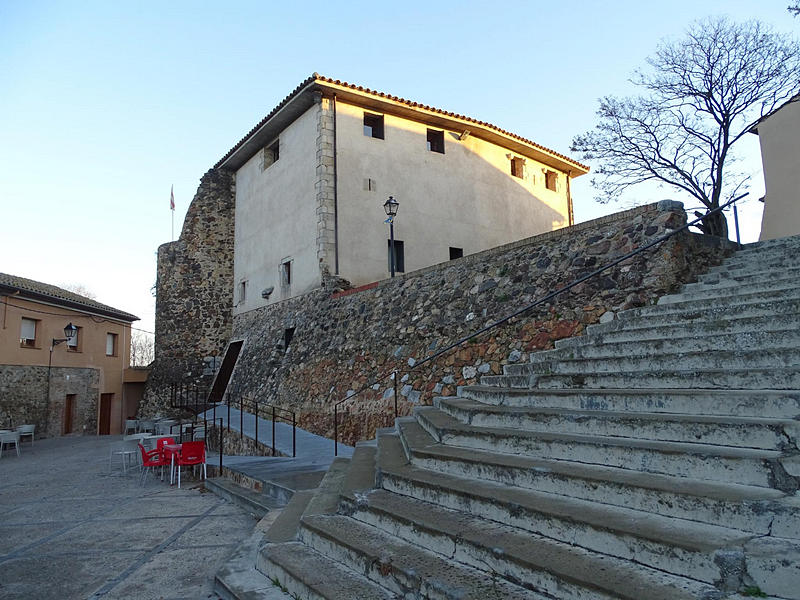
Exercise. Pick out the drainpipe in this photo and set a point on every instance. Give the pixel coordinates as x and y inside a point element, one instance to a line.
<point>570,214</point>
<point>335,195</point>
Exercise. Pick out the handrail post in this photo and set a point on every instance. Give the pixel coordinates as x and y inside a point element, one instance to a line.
<point>394,376</point>
<point>194,420</point>
<point>336,430</point>
<point>229,413</point>
<point>221,430</point>
<point>241,417</point>
<point>273,430</point>
<point>256,414</point>
<point>736,223</point>
<point>294,435</point>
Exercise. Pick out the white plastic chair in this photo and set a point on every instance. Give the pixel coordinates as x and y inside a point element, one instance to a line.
<point>10,437</point>
<point>131,425</point>
<point>26,430</point>
<point>126,450</point>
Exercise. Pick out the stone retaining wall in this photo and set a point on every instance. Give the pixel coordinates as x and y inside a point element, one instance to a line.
<point>347,341</point>
<point>24,398</point>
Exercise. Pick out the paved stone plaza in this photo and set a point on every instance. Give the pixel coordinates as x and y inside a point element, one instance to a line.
<point>70,529</point>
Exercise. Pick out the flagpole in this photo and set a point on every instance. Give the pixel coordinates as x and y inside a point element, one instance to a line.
<point>172,208</point>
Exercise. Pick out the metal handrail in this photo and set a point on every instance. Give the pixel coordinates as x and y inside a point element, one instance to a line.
<point>522,310</point>
<point>290,417</point>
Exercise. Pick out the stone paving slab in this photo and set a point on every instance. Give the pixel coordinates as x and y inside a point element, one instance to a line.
<point>70,529</point>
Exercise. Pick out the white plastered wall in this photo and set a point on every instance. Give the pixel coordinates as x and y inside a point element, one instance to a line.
<point>276,218</point>
<point>465,198</point>
<point>779,136</point>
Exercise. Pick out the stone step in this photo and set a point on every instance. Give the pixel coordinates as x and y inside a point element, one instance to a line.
<point>256,503</point>
<point>685,548</point>
<point>783,326</point>
<point>747,508</point>
<point>611,358</point>
<point>744,432</point>
<point>680,315</point>
<point>779,288</point>
<point>724,464</point>
<point>742,403</point>
<point>787,248</point>
<point>401,567</point>
<point>753,379</point>
<point>238,578</point>
<point>556,569</point>
<point>721,282</point>
<point>746,305</point>
<point>599,347</point>
<point>791,241</point>
<point>305,573</point>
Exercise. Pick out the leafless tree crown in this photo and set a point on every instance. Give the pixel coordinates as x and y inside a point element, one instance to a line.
<point>703,94</point>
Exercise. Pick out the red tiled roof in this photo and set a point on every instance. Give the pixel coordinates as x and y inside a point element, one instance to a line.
<point>317,78</point>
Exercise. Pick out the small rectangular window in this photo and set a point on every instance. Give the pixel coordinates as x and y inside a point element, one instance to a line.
<point>286,273</point>
<point>271,155</point>
<point>399,258</point>
<point>74,343</point>
<point>27,333</point>
<point>242,291</point>
<point>551,180</point>
<point>436,141</point>
<point>456,253</point>
<point>373,125</point>
<point>517,167</point>
<point>111,344</point>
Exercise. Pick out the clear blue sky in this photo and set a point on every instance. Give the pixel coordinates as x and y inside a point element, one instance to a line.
<point>104,105</point>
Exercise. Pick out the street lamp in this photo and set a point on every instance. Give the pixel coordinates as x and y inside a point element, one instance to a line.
<point>391,206</point>
<point>69,332</point>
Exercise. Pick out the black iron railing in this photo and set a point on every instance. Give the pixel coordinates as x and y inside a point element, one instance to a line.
<point>458,343</point>
<point>271,412</point>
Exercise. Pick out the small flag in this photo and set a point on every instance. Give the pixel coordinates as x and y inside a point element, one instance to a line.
<point>171,198</point>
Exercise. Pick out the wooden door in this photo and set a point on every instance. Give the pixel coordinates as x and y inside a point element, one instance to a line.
<point>69,410</point>
<point>105,414</point>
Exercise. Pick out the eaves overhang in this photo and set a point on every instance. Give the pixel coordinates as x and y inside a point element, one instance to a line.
<point>308,92</point>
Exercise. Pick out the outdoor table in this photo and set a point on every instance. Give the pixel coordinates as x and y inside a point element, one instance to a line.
<point>172,450</point>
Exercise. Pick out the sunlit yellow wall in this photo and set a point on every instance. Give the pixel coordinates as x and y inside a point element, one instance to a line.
<point>90,352</point>
<point>464,198</point>
<point>780,153</point>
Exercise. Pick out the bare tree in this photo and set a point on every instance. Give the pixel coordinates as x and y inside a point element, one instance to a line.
<point>142,348</point>
<point>79,288</point>
<point>703,94</point>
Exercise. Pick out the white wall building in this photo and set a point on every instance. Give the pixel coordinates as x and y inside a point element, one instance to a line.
<point>312,177</point>
<point>779,135</point>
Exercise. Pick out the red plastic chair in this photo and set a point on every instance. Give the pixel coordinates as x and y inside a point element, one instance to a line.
<point>192,453</point>
<point>151,459</point>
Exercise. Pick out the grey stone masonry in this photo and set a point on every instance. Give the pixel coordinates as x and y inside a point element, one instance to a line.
<point>194,291</point>
<point>325,185</point>
<point>654,458</point>
<point>351,339</point>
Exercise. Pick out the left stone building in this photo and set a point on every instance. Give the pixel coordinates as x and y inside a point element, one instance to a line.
<point>79,385</point>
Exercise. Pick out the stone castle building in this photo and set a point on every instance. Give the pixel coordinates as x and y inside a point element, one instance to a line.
<point>296,206</point>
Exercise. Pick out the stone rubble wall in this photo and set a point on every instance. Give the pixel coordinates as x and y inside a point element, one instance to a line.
<point>24,398</point>
<point>348,340</point>
<point>194,294</point>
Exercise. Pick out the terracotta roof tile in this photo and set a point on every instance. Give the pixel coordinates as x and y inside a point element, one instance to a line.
<point>316,77</point>
<point>13,283</point>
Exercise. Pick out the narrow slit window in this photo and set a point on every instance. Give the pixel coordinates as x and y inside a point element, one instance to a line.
<point>373,125</point>
<point>288,334</point>
<point>436,141</point>
<point>286,273</point>
<point>242,291</point>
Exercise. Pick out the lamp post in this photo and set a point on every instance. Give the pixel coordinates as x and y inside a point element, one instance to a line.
<point>69,332</point>
<point>391,206</point>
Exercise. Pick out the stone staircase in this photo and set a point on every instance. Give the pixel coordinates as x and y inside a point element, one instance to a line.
<point>654,458</point>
